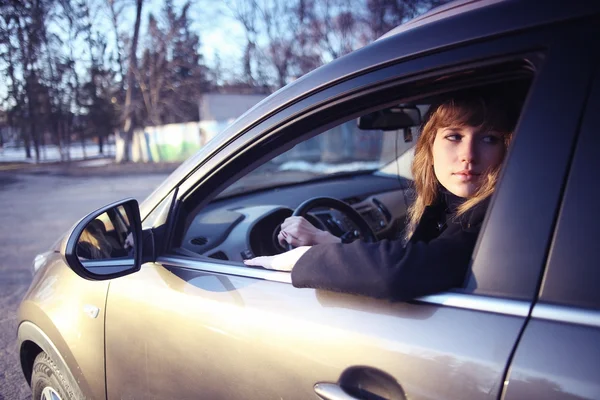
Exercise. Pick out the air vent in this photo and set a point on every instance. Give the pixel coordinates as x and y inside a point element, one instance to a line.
<point>383,209</point>
<point>219,255</point>
<point>352,200</point>
<point>199,241</point>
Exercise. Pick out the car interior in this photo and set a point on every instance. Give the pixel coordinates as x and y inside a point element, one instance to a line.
<point>363,163</point>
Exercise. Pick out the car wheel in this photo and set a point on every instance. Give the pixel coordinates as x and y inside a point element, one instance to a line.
<point>49,383</point>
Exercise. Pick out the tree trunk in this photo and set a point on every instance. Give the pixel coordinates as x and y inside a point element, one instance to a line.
<point>82,139</point>
<point>101,144</point>
<point>67,132</point>
<point>115,24</point>
<point>126,134</point>
<point>32,125</point>
<point>26,141</point>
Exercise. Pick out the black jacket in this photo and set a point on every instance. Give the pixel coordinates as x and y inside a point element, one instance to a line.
<point>434,260</point>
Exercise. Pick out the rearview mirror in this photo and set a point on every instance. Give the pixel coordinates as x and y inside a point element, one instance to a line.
<point>107,243</point>
<point>391,119</point>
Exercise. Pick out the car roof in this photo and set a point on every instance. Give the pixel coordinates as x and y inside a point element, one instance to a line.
<point>456,22</point>
<point>442,12</point>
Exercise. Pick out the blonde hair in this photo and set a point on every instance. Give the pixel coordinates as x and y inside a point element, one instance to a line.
<point>476,112</point>
<point>97,244</point>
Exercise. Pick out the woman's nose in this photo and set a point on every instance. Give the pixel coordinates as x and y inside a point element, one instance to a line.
<point>468,151</point>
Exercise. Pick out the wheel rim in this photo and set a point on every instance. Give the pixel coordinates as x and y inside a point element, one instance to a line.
<point>50,394</point>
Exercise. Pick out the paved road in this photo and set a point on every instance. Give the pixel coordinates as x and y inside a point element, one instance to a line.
<point>35,209</point>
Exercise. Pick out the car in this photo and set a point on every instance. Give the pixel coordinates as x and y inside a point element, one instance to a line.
<point>153,301</point>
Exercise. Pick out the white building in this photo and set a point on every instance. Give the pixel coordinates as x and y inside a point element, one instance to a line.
<point>176,142</point>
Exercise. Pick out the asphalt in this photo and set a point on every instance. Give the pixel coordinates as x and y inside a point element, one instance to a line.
<point>37,204</point>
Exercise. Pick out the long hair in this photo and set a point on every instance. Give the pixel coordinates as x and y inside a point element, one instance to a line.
<point>95,241</point>
<point>473,111</point>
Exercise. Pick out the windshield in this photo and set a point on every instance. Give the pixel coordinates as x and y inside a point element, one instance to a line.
<point>344,149</point>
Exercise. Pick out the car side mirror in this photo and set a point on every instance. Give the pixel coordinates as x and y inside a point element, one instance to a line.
<point>107,243</point>
<point>391,119</point>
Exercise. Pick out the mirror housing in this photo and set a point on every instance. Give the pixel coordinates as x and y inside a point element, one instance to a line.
<point>96,252</point>
<point>391,119</point>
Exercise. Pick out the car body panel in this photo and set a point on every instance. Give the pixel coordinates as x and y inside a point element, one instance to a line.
<point>556,360</point>
<point>495,16</point>
<point>70,311</point>
<point>571,277</point>
<point>276,341</point>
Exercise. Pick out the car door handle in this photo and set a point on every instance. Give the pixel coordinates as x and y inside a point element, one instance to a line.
<point>332,391</point>
<point>361,382</point>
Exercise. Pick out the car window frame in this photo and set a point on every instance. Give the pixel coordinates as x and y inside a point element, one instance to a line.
<point>562,283</point>
<point>540,40</point>
<point>498,254</point>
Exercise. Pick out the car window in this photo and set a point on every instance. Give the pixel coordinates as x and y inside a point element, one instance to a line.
<point>343,149</point>
<point>573,276</point>
<point>367,166</point>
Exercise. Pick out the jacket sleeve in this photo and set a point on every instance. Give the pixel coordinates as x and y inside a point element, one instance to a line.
<point>388,269</point>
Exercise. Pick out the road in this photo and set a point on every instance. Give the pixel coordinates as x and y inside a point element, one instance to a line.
<point>35,209</point>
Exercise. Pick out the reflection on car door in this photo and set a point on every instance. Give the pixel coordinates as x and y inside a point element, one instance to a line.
<point>178,333</point>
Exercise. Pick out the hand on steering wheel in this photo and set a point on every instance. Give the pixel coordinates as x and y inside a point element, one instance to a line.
<point>364,229</point>
<point>297,231</point>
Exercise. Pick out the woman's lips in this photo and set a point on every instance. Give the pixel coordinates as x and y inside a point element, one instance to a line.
<point>466,176</point>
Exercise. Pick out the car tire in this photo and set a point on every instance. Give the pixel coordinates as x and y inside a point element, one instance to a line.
<point>49,383</point>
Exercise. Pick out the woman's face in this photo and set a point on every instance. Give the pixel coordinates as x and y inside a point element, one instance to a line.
<point>461,156</point>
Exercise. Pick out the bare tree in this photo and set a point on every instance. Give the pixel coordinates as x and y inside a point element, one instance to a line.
<point>171,74</point>
<point>115,10</point>
<point>31,30</point>
<point>246,13</point>
<point>295,36</point>
<point>15,100</point>
<point>127,133</point>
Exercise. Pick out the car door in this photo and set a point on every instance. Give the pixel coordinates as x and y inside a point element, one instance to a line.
<point>188,328</point>
<point>559,354</point>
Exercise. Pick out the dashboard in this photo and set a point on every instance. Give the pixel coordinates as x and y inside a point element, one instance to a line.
<point>246,226</point>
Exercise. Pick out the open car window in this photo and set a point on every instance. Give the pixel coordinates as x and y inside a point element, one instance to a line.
<point>343,150</point>
<point>365,165</point>
<point>363,160</point>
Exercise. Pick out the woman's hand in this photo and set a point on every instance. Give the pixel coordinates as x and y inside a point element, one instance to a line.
<point>297,231</point>
<point>280,262</point>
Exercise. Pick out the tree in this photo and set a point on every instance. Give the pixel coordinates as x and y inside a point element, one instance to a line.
<point>96,92</point>
<point>171,74</point>
<point>127,133</point>
<point>115,10</point>
<point>292,37</point>
<point>15,100</point>
<point>246,13</point>
<point>31,32</point>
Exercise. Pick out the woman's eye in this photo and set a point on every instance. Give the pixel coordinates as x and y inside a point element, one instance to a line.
<point>453,137</point>
<point>491,139</point>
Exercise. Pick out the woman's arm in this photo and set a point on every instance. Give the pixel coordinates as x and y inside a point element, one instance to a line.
<point>387,269</point>
<point>280,262</point>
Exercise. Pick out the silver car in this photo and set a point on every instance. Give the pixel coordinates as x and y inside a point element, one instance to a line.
<point>154,301</point>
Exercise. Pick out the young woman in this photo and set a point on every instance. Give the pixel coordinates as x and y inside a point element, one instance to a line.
<point>457,160</point>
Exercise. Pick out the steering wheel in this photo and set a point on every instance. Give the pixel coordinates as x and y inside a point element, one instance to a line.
<point>363,227</point>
